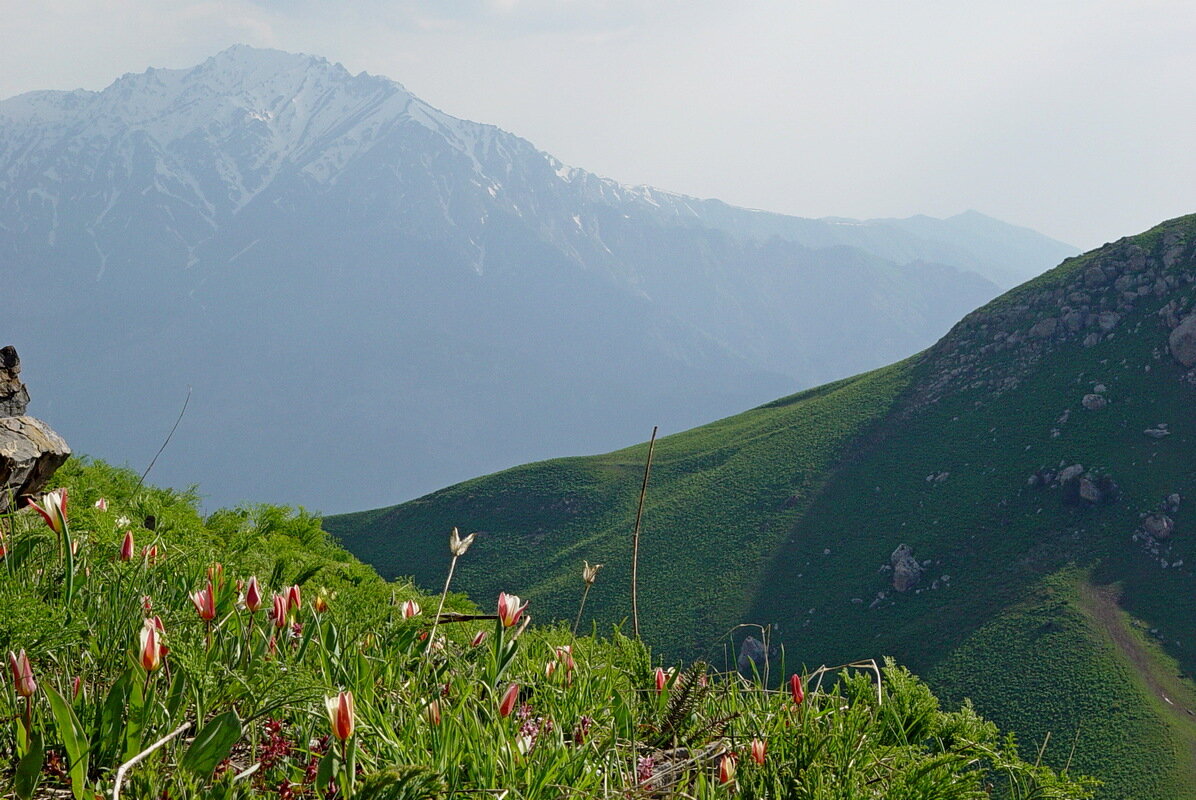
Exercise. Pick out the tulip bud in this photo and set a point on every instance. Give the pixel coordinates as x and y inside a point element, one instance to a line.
<point>589,574</point>
<point>320,604</point>
<point>507,704</point>
<point>478,638</point>
<point>564,654</point>
<point>151,649</point>
<point>126,546</point>
<point>410,609</point>
<point>253,595</point>
<point>76,687</point>
<point>294,602</point>
<point>550,669</point>
<point>340,714</point>
<point>759,748</point>
<point>509,610</point>
<point>102,504</point>
<point>796,690</point>
<point>22,674</point>
<point>278,610</point>
<point>459,546</point>
<point>216,574</point>
<point>53,509</point>
<point>726,768</point>
<point>432,712</point>
<point>147,603</point>
<point>660,680</point>
<point>150,554</point>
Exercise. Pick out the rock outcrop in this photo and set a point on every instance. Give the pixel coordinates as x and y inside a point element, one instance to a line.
<point>1183,341</point>
<point>1158,526</point>
<point>753,658</point>
<point>1087,304</point>
<point>907,572</point>
<point>30,451</point>
<point>13,396</point>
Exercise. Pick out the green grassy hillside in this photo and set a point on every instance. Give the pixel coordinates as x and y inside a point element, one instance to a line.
<point>155,653</point>
<point>786,516</point>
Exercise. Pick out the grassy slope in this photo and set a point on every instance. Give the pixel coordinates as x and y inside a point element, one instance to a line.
<point>785,515</point>
<point>723,498</point>
<point>597,724</point>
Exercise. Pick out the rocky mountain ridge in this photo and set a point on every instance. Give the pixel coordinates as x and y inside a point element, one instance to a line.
<point>348,276</point>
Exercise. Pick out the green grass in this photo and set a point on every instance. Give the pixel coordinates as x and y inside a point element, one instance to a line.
<point>236,707</point>
<point>784,516</point>
<point>722,499</point>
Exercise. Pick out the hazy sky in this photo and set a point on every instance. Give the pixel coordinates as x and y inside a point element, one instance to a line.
<point>1074,117</point>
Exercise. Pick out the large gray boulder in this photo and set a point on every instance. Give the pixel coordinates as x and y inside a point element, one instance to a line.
<point>30,451</point>
<point>907,572</point>
<point>1183,341</point>
<point>753,658</point>
<point>1159,526</point>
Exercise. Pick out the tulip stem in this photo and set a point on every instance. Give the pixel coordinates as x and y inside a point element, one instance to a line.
<point>248,635</point>
<point>28,719</point>
<point>635,539</point>
<point>440,608</point>
<point>584,594</point>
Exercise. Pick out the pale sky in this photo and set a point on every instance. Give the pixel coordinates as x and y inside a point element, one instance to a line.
<point>1073,117</point>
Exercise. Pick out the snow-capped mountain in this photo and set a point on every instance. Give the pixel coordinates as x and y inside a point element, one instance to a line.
<point>373,298</point>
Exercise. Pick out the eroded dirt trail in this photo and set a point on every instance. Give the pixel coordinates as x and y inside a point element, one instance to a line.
<point>1177,698</point>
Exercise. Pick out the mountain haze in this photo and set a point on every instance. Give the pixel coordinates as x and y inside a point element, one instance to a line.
<point>1010,512</point>
<point>372,298</point>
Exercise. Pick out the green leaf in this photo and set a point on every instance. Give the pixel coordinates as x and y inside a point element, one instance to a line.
<point>74,739</point>
<point>329,765</point>
<point>174,698</point>
<point>29,768</point>
<point>136,718</point>
<point>110,719</point>
<point>23,549</point>
<point>212,744</point>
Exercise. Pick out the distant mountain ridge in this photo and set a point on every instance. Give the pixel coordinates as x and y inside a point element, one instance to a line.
<point>350,277</point>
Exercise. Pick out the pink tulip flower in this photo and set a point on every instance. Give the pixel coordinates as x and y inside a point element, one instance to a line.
<point>507,705</point>
<point>53,509</point>
<point>340,714</point>
<point>509,610</point>
<point>22,674</point>
<point>253,596</point>
<point>126,546</point>
<point>205,603</point>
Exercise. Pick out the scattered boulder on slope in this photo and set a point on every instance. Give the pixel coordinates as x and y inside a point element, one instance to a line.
<point>1070,473</point>
<point>1094,402</point>
<point>907,572</point>
<point>1044,328</point>
<point>1183,341</point>
<point>30,451</point>
<point>753,658</point>
<point>1090,491</point>
<point>1158,526</point>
